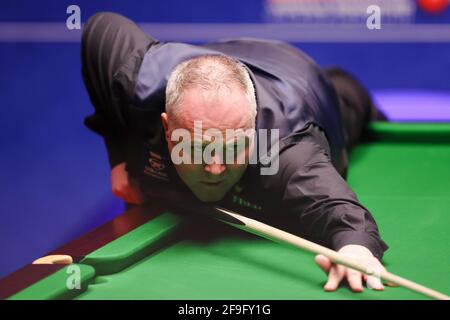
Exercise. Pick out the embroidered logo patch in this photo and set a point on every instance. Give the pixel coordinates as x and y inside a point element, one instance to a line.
<point>156,166</point>
<point>242,202</point>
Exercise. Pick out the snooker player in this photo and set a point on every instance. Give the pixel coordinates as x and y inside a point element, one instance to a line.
<point>145,91</point>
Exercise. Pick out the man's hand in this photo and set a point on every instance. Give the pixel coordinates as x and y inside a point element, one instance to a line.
<point>337,273</point>
<point>124,186</point>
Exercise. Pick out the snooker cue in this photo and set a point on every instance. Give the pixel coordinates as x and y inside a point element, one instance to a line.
<point>274,234</point>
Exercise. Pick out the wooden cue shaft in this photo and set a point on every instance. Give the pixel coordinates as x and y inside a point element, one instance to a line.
<point>275,234</point>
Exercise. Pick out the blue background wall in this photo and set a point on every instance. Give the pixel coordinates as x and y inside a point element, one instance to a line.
<point>54,177</point>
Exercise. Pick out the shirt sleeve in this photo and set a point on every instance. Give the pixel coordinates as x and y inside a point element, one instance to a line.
<point>113,137</point>
<point>318,199</point>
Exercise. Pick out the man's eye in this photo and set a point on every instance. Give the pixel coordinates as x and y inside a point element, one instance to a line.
<point>235,151</point>
<point>237,148</point>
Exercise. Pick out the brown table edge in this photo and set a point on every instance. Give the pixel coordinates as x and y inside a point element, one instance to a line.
<point>79,248</point>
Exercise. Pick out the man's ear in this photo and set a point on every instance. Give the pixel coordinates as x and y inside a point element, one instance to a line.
<point>165,123</point>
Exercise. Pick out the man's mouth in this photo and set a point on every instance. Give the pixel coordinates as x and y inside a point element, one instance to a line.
<point>212,183</point>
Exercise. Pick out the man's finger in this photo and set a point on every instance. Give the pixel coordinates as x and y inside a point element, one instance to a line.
<point>374,283</point>
<point>324,263</point>
<point>390,284</point>
<point>354,279</point>
<point>135,198</point>
<point>335,277</point>
<point>118,194</point>
<point>130,197</point>
<point>135,191</point>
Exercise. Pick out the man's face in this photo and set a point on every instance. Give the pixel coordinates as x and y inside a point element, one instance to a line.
<point>215,111</point>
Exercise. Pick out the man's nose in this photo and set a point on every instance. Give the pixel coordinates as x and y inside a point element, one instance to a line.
<point>216,167</point>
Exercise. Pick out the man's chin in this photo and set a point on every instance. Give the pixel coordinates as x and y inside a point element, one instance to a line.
<point>210,197</point>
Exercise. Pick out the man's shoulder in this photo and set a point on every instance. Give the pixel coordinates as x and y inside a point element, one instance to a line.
<point>255,47</point>
<point>265,56</point>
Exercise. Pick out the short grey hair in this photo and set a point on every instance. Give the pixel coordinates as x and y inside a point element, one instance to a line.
<point>208,72</point>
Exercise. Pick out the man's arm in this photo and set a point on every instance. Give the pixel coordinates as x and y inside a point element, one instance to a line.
<point>122,186</point>
<point>112,48</point>
<point>324,208</point>
<point>319,198</point>
<point>116,150</point>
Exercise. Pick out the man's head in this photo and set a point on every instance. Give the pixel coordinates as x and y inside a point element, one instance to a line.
<point>215,92</point>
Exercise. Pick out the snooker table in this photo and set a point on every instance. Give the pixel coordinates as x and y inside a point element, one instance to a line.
<point>401,173</point>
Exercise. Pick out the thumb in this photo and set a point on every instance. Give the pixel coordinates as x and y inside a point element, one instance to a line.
<point>323,262</point>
